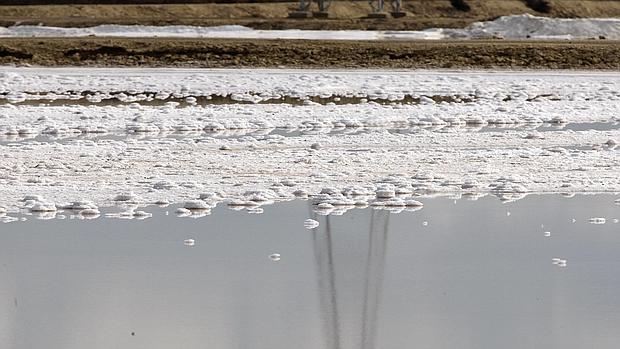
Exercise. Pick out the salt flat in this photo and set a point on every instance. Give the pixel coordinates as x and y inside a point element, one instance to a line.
<point>83,155</point>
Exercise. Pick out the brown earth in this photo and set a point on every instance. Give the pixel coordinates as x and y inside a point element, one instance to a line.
<point>344,14</point>
<point>158,52</point>
<point>599,54</point>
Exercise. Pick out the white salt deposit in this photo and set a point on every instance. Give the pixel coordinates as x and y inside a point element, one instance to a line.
<point>510,27</point>
<point>310,224</point>
<point>597,220</point>
<point>172,155</point>
<point>43,207</point>
<point>196,205</point>
<point>89,213</point>
<point>130,197</point>
<point>141,214</point>
<point>80,205</point>
<point>413,203</point>
<point>529,26</point>
<point>8,219</point>
<point>183,212</point>
<point>559,262</point>
<point>269,84</point>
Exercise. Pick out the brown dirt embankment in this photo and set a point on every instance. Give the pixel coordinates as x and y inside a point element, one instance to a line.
<point>344,14</point>
<point>159,52</point>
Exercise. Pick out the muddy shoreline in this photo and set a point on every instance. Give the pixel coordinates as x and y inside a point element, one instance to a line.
<point>226,53</point>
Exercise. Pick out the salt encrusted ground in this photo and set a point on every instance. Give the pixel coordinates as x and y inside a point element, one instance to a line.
<point>83,156</point>
<point>270,83</point>
<point>523,26</point>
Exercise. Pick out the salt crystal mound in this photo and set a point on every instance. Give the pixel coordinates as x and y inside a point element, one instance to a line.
<point>378,169</point>
<point>132,85</point>
<point>510,27</point>
<point>529,26</point>
<point>427,163</point>
<point>497,98</point>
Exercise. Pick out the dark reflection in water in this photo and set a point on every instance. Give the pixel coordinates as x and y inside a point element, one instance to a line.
<point>326,279</point>
<point>457,274</point>
<point>287,132</point>
<point>371,288</point>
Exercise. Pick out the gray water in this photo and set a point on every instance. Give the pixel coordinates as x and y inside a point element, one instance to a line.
<point>197,135</point>
<point>457,274</point>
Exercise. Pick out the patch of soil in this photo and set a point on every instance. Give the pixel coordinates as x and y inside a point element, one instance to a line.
<point>221,53</point>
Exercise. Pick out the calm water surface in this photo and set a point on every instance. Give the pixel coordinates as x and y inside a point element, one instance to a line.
<point>457,274</point>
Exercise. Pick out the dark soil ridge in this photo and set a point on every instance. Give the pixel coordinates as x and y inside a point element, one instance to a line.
<point>227,53</point>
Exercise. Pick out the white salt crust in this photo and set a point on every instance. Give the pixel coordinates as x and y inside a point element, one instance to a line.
<point>523,26</point>
<point>378,168</point>
<point>254,85</point>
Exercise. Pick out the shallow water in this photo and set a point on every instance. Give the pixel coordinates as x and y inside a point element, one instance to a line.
<point>287,132</point>
<point>457,274</point>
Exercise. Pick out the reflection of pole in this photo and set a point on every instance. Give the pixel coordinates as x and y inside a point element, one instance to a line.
<point>375,268</point>
<point>323,253</point>
<point>373,279</point>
